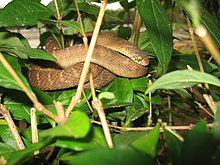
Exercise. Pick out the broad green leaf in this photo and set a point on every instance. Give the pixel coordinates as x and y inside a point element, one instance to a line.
<point>22,156</point>
<point>140,107</point>
<point>199,145</point>
<point>7,137</point>
<point>183,79</point>
<point>6,80</point>
<point>156,21</point>
<point>4,148</point>
<point>25,52</point>
<point>127,137</point>
<point>119,155</point>
<point>122,89</point>
<point>140,84</point>
<point>12,39</point>
<point>216,124</point>
<point>77,126</point>
<point>94,139</point>
<point>174,147</point>
<point>23,13</point>
<point>148,142</point>
<point>71,24</point>
<point>36,53</point>
<point>198,13</point>
<point>180,61</point>
<point>92,9</point>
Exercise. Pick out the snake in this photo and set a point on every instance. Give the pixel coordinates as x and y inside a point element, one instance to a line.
<point>112,56</point>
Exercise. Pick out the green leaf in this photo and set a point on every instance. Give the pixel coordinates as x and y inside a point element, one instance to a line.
<point>199,145</point>
<point>140,107</point>
<point>148,142</point>
<point>122,89</point>
<point>4,148</point>
<point>6,80</point>
<point>216,124</point>
<point>12,39</point>
<point>23,13</point>
<point>72,24</point>
<point>197,13</point>
<point>183,79</point>
<point>140,84</point>
<point>25,52</point>
<point>174,147</point>
<point>159,29</point>
<point>106,95</point>
<point>22,156</point>
<point>77,126</point>
<point>92,9</point>
<point>36,53</point>
<point>7,137</point>
<point>127,137</point>
<point>119,155</point>
<point>94,139</point>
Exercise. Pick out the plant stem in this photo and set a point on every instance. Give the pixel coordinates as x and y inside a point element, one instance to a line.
<point>88,58</point>
<point>5,113</point>
<point>202,32</point>
<point>136,27</point>
<point>98,106</point>
<point>34,131</point>
<point>59,18</point>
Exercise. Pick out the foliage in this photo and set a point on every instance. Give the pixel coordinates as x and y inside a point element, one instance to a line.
<point>175,95</point>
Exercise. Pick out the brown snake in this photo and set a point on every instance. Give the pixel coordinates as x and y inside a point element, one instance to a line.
<point>112,56</point>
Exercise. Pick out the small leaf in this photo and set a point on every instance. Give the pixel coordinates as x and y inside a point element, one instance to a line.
<point>148,142</point>
<point>77,126</point>
<point>183,79</point>
<point>22,13</point>
<point>106,95</point>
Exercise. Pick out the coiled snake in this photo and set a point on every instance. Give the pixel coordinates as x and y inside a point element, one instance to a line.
<point>112,56</point>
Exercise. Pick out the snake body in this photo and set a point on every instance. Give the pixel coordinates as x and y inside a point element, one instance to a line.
<point>112,56</point>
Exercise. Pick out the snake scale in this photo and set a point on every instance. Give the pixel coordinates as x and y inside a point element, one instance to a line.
<point>112,56</point>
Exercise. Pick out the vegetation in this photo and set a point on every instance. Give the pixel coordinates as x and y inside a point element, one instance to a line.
<point>170,116</point>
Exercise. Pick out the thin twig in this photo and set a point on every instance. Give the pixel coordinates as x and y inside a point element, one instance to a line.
<point>59,18</point>
<point>202,32</point>
<point>87,101</point>
<point>189,127</point>
<point>150,106</point>
<point>30,95</point>
<point>60,112</point>
<point>191,32</point>
<point>85,39</point>
<point>203,108</point>
<point>88,58</point>
<point>98,106</point>
<point>136,27</point>
<point>208,98</point>
<point>165,127</point>
<point>7,116</point>
<point>34,130</point>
